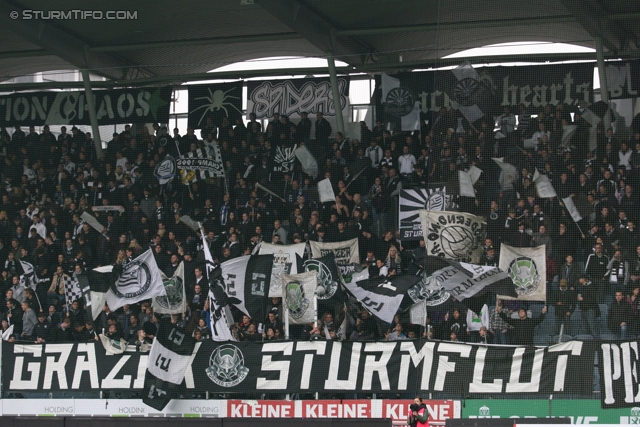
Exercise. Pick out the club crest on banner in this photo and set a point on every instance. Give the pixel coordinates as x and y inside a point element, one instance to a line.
<point>173,287</point>
<point>524,273</point>
<point>296,301</point>
<point>165,170</point>
<point>226,366</point>
<point>327,287</point>
<point>400,101</point>
<point>428,290</point>
<point>135,280</point>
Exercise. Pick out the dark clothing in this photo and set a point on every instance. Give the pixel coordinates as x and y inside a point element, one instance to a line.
<point>523,329</point>
<point>619,312</point>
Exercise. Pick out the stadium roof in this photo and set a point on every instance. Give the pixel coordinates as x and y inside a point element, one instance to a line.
<point>172,41</point>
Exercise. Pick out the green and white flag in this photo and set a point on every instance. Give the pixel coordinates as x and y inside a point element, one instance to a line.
<point>175,301</point>
<point>299,298</point>
<point>527,267</point>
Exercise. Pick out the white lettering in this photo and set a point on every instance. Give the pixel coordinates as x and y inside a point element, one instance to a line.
<point>32,367</point>
<point>111,382</point>
<point>57,367</point>
<point>269,365</point>
<point>333,383</point>
<point>88,364</point>
<point>477,386</point>
<point>372,365</point>
<point>514,385</point>
<point>426,353</point>
<point>319,347</point>
<point>444,365</point>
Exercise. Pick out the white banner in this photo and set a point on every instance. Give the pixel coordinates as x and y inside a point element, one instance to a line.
<point>453,235</point>
<point>527,267</point>
<point>284,261</point>
<point>345,252</point>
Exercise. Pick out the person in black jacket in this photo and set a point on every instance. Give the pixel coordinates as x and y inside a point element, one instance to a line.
<point>565,304</point>
<point>620,316</point>
<point>455,323</point>
<point>523,327</point>
<point>42,332</point>
<point>588,304</point>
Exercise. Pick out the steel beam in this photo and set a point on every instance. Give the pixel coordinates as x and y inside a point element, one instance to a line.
<point>197,42</point>
<point>88,93</point>
<point>496,23</point>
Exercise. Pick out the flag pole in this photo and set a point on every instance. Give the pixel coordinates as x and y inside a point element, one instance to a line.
<point>286,322</point>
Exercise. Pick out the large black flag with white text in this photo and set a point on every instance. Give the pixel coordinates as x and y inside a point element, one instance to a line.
<point>246,281</point>
<point>169,359</point>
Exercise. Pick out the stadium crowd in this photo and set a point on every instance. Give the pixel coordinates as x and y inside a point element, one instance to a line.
<point>593,267</point>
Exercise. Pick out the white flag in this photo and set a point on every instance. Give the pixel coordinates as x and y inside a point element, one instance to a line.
<point>8,333</point>
<point>466,185</point>
<point>299,298</point>
<point>325,191</point>
<point>571,207</point>
<point>140,279</point>
<point>388,83</point>
<point>527,268</point>
<point>474,173</point>
<point>418,313</point>
<point>543,185</point>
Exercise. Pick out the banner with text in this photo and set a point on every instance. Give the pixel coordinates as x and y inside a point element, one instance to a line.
<point>118,106</point>
<point>292,97</point>
<point>487,89</point>
<point>313,366</point>
<point>620,385</point>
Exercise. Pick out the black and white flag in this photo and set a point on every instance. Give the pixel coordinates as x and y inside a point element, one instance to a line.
<point>329,277</point>
<point>382,296</point>
<point>218,299</point>
<point>196,165</point>
<point>28,279</point>
<point>94,285</point>
<point>247,280</point>
<point>72,290</point>
<point>169,359</point>
<point>139,280</point>
<point>284,159</point>
<point>463,280</point>
<point>213,149</point>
